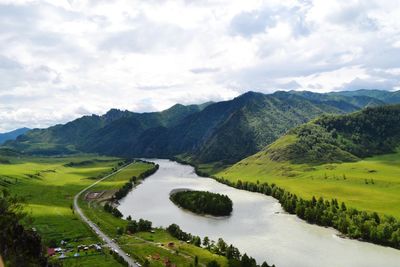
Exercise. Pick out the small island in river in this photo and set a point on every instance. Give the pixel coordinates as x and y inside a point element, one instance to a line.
<point>202,202</point>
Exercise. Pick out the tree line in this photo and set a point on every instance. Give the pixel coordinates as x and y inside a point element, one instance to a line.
<point>235,258</point>
<point>138,226</point>
<point>203,202</point>
<point>114,211</point>
<point>124,190</point>
<point>367,226</point>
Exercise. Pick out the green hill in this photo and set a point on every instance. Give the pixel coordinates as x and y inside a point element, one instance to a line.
<point>224,132</point>
<point>353,158</point>
<point>342,138</point>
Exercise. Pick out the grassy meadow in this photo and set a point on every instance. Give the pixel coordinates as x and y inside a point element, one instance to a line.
<point>48,186</point>
<point>371,184</point>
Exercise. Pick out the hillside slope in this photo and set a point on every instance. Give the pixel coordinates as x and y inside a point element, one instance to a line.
<point>342,138</point>
<point>354,158</point>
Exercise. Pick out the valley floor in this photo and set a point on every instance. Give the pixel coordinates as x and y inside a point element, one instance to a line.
<point>372,184</point>
<point>49,186</point>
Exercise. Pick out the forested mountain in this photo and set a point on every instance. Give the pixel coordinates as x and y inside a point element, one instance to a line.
<point>12,134</point>
<point>341,138</point>
<point>85,133</point>
<point>382,95</point>
<point>226,131</point>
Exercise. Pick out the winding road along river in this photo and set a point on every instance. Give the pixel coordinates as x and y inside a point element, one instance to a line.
<point>257,226</point>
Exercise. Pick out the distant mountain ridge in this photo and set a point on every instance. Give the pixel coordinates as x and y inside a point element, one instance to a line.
<point>12,134</point>
<point>225,131</point>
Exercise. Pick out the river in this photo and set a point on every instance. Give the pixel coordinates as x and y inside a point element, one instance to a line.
<point>258,225</point>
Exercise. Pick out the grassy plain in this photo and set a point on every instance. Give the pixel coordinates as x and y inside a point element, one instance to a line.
<point>48,186</point>
<point>372,184</point>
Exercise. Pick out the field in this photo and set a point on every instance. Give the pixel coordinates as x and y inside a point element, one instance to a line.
<point>372,184</point>
<point>48,186</point>
<point>143,245</point>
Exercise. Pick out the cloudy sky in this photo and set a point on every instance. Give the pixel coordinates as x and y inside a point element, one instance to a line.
<point>63,59</point>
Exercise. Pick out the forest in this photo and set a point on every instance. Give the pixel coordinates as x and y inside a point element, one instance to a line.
<point>342,138</point>
<point>203,202</point>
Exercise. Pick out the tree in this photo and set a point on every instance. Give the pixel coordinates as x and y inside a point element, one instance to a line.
<point>196,260</point>
<point>132,227</point>
<point>213,263</point>
<point>120,231</point>
<point>232,253</point>
<point>221,245</point>
<point>196,241</point>
<point>206,242</point>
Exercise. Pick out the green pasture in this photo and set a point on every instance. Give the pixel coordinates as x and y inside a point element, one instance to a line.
<point>372,184</point>
<point>48,186</point>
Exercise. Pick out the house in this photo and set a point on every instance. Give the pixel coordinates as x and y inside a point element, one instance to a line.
<point>62,256</point>
<point>51,251</point>
<point>167,262</point>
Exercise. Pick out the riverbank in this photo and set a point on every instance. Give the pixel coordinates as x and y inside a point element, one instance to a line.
<point>258,225</point>
<point>352,223</point>
<point>146,247</point>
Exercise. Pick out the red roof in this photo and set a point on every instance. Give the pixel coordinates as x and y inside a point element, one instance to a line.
<point>51,251</point>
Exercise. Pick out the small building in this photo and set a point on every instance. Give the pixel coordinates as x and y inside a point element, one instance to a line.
<point>167,262</point>
<point>171,244</point>
<point>76,255</point>
<point>51,251</point>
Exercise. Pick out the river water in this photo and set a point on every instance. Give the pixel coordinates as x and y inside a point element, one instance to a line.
<point>257,225</point>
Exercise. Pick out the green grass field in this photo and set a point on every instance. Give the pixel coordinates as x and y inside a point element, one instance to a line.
<point>49,187</point>
<point>372,184</point>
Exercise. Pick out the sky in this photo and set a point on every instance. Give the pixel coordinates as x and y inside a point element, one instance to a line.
<point>60,60</point>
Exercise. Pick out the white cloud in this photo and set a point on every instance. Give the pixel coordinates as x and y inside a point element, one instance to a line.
<point>62,59</point>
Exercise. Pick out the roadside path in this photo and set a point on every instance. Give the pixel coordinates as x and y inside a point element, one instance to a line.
<point>113,245</point>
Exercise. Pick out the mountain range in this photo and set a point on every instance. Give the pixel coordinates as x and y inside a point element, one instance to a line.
<point>12,134</point>
<point>226,131</point>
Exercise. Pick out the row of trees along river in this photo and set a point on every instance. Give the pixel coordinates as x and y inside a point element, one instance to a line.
<point>368,226</point>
